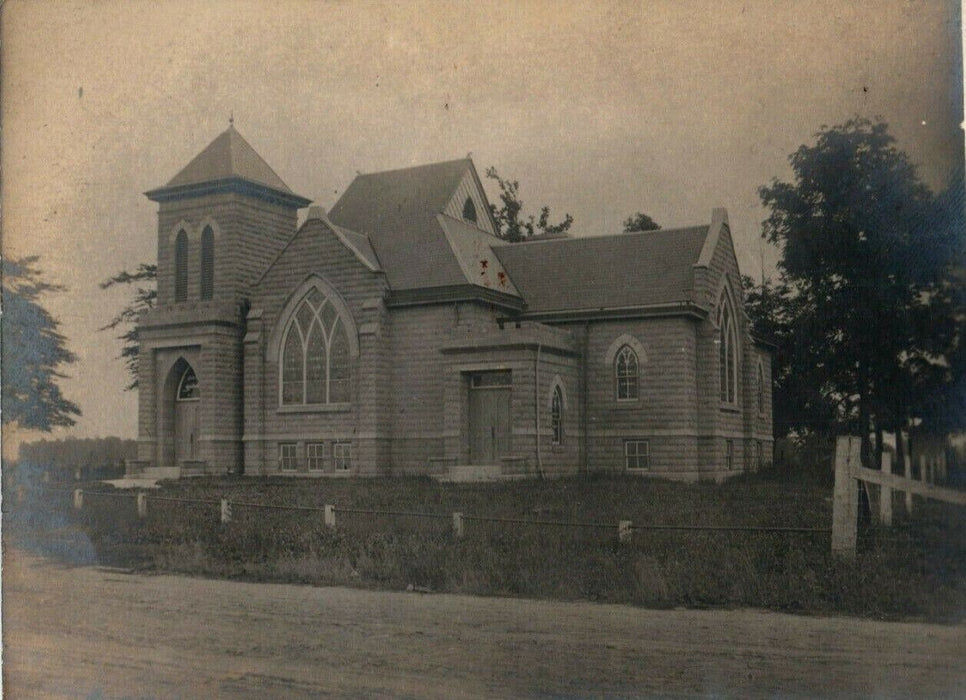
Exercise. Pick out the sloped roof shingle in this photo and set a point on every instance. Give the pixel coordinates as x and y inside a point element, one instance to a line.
<point>228,156</point>
<point>605,272</point>
<point>398,211</point>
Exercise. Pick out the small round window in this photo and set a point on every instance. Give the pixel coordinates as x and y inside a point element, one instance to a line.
<point>188,388</point>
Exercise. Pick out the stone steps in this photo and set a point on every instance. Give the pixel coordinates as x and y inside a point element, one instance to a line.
<point>160,473</point>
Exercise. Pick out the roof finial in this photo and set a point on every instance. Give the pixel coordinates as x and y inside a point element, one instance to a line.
<point>231,118</point>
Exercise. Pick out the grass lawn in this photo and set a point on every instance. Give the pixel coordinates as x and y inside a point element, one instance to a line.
<point>914,570</point>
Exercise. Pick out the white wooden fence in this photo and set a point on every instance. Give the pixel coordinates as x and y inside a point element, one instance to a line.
<point>849,472</point>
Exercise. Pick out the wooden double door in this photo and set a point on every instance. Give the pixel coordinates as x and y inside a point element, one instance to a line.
<point>490,395</point>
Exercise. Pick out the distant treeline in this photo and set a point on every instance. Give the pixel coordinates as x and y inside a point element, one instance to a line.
<point>74,453</point>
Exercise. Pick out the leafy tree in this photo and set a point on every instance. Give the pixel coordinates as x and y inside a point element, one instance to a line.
<point>803,402</point>
<point>640,222</point>
<point>866,269</point>
<point>513,225</point>
<point>144,279</point>
<point>33,352</point>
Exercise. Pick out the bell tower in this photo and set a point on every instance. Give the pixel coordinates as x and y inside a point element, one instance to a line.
<point>222,220</point>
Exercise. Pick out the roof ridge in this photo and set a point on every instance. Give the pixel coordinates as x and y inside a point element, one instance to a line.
<point>415,167</point>
<point>561,239</point>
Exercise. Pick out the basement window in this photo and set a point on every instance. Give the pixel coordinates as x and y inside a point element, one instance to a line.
<point>287,456</point>
<point>342,456</point>
<point>315,456</point>
<point>637,455</point>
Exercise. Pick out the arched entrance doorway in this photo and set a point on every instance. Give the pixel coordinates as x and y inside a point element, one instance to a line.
<point>182,398</point>
<point>186,416</point>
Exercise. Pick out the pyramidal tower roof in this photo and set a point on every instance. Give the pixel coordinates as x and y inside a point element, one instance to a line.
<point>227,163</point>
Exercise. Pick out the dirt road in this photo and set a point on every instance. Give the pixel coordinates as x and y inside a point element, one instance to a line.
<point>89,632</point>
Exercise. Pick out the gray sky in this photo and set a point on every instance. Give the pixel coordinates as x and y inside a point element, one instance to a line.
<point>598,109</point>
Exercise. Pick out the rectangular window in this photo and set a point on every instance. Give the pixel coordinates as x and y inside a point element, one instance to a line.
<point>758,454</point>
<point>287,456</point>
<point>342,456</point>
<point>637,454</point>
<point>315,456</point>
<point>729,454</point>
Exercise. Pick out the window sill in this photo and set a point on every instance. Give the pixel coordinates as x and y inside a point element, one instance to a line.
<point>316,408</point>
<point>637,470</point>
<point>729,408</point>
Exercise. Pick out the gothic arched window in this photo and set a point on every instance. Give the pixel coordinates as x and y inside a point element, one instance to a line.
<point>556,416</point>
<point>181,267</point>
<point>727,350</point>
<point>188,386</point>
<point>625,372</point>
<point>469,210</point>
<point>315,355</point>
<point>207,263</point>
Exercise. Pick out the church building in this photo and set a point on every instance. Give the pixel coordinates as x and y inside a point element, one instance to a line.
<point>398,334</point>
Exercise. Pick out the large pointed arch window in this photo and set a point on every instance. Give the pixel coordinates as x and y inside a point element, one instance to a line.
<point>315,355</point>
<point>626,373</point>
<point>727,351</point>
<point>207,263</point>
<point>181,266</point>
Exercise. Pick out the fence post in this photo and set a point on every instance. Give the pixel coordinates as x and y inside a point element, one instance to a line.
<point>458,525</point>
<point>78,499</point>
<point>225,511</point>
<point>908,474</point>
<point>329,516</point>
<point>142,505</point>
<point>885,493</point>
<point>845,497</point>
<point>624,531</point>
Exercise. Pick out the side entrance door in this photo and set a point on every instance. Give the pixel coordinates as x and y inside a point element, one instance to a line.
<point>489,430</point>
<point>185,430</point>
<point>186,405</point>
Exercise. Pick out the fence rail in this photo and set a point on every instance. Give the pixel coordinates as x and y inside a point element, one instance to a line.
<point>624,528</point>
<point>850,473</point>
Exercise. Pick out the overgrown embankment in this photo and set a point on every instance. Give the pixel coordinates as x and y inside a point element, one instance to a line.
<point>916,569</point>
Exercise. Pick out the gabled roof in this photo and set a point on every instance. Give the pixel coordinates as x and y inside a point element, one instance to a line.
<point>627,270</point>
<point>229,155</point>
<point>228,163</point>
<point>399,211</point>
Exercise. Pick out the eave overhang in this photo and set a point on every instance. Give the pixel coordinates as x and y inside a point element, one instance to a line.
<point>229,185</point>
<point>684,308</point>
<point>453,293</point>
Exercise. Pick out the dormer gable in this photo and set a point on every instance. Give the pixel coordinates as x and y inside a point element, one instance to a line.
<point>469,204</point>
